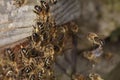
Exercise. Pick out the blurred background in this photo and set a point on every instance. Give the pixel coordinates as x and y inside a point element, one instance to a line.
<point>99,16</point>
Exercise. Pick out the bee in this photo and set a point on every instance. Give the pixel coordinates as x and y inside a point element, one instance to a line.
<point>40,74</point>
<point>27,69</point>
<point>34,53</point>
<point>37,60</point>
<point>10,74</point>
<point>95,39</point>
<point>62,29</point>
<point>37,10</point>
<point>93,55</point>
<point>32,77</point>
<point>57,48</point>
<point>10,54</point>
<point>78,77</point>
<point>45,36</point>
<point>60,34</point>
<point>49,51</point>
<point>25,52</point>
<point>19,3</point>
<point>35,38</point>
<point>53,1</point>
<point>48,62</point>
<point>95,76</point>
<point>31,53</point>
<point>44,5</point>
<point>19,60</point>
<point>40,26</point>
<point>9,71</point>
<point>74,27</point>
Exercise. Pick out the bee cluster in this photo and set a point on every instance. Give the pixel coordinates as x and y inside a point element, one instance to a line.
<point>35,60</point>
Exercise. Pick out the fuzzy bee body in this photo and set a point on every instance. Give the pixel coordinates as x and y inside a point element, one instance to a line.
<point>25,52</point>
<point>95,39</point>
<point>32,77</point>
<point>44,5</point>
<point>37,10</point>
<point>10,54</point>
<point>35,37</point>
<point>27,69</point>
<point>95,76</point>
<point>53,1</point>
<point>40,74</point>
<point>37,60</point>
<point>40,26</point>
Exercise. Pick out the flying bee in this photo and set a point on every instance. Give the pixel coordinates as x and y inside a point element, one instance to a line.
<point>19,3</point>
<point>37,10</point>
<point>10,54</point>
<point>94,76</point>
<point>90,56</point>
<point>93,55</point>
<point>95,39</point>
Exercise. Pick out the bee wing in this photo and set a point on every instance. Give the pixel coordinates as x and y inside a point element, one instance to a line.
<point>15,23</point>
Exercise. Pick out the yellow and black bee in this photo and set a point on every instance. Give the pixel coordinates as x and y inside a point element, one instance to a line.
<point>53,1</point>
<point>37,9</point>
<point>95,39</point>
<point>32,77</point>
<point>44,5</point>
<point>10,54</point>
